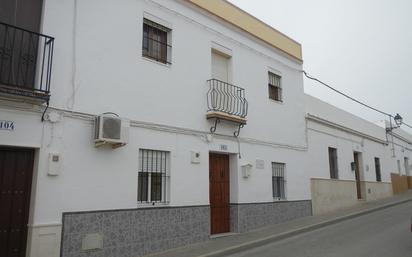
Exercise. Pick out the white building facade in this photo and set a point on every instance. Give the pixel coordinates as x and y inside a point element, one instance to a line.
<point>174,72</point>
<point>217,134</point>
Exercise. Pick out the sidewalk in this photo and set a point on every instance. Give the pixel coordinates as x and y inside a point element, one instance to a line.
<point>223,246</point>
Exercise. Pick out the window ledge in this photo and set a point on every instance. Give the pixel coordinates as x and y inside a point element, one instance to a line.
<point>277,102</point>
<point>225,116</point>
<point>157,62</point>
<point>276,200</point>
<point>151,205</point>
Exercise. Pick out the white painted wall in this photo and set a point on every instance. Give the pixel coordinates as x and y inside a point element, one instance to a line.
<point>402,149</point>
<point>110,73</point>
<point>102,178</point>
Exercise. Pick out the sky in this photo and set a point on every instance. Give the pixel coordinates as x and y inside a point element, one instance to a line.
<point>361,47</point>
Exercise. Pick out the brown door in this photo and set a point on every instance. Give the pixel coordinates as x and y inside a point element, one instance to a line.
<point>219,193</point>
<point>357,175</point>
<point>16,168</point>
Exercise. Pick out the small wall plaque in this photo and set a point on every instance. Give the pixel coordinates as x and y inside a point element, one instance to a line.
<point>92,242</point>
<point>260,164</point>
<point>223,147</point>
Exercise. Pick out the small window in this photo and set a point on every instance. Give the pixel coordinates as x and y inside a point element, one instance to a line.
<point>275,89</point>
<point>155,42</point>
<point>378,169</point>
<point>153,176</point>
<point>333,163</point>
<point>278,181</point>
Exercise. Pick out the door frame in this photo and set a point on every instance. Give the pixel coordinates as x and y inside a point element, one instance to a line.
<point>357,157</point>
<point>228,226</point>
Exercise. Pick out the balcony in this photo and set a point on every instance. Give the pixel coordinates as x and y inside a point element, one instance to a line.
<point>25,64</point>
<point>226,102</point>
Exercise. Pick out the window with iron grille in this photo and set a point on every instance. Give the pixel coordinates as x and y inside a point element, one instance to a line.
<point>275,88</point>
<point>278,181</point>
<point>333,163</point>
<point>155,42</point>
<point>378,169</point>
<point>153,176</point>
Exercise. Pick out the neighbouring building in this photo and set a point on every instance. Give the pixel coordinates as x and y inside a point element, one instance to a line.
<point>350,159</point>
<point>131,127</point>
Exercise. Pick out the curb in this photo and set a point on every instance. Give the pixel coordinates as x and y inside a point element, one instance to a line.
<point>273,238</point>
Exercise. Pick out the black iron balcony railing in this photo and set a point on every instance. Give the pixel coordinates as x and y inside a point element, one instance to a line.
<point>25,62</point>
<point>226,98</point>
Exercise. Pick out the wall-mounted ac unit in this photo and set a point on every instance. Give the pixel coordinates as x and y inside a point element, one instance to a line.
<point>111,130</point>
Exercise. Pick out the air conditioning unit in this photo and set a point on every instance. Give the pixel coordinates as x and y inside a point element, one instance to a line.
<point>112,130</point>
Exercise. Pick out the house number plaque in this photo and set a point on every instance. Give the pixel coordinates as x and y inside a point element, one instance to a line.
<point>6,125</point>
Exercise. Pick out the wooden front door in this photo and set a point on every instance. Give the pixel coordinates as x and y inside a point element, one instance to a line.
<point>357,175</point>
<point>16,169</point>
<point>219,193</point>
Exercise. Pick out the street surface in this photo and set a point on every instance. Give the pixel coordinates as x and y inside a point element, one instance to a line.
<point>385,233</point>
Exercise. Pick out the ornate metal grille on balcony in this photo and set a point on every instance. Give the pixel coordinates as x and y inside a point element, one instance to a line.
<point>25,63</point>
<point>226,102</point>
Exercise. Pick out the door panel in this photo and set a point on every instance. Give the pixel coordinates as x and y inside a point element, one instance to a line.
<point>16,168</point>
<point>22,13</point>
<point>357,175</point>
<point>220,67</point>
<point>219,193</point>
<point>19,48</point>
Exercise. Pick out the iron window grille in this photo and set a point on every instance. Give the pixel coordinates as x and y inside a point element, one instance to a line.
<point>378,169</point>
<point>274,86</point>
<point>25,62</point>
<point>278,181</point>
<point>155,42</point>
<point>333,163</point>
<point>153,176</point>
<point>226,98</point>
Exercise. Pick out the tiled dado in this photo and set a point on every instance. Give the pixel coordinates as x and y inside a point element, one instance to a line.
<point>249,216</point>
<point>135,232</point>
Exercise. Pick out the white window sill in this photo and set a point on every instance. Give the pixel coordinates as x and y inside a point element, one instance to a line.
<point>157,62</point>
<point>277,102</point>
<point>152,205</point>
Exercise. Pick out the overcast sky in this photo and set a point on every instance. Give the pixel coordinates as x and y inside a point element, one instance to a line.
<point>362,47</point>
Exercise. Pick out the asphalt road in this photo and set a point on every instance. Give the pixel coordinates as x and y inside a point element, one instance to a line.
<point>385,233</point>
